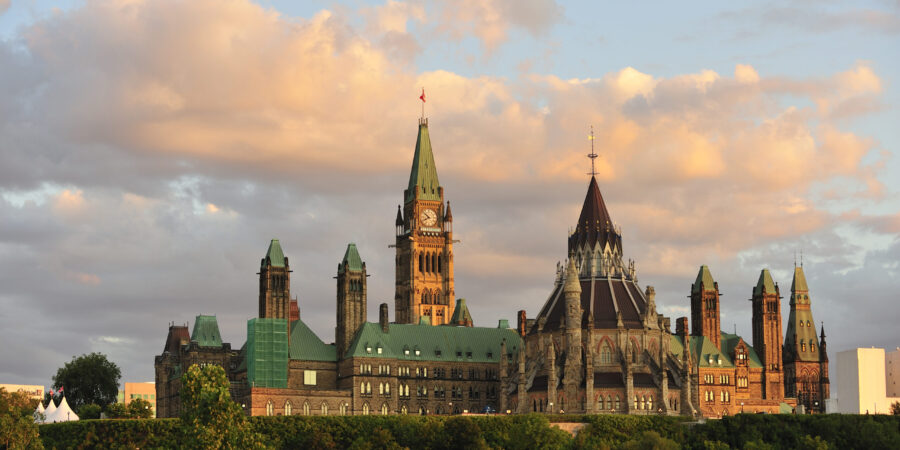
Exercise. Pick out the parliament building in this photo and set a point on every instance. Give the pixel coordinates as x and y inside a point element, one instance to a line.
<point>596,346</point>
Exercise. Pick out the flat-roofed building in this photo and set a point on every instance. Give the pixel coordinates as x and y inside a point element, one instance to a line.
<point>861,382</point>
<point>34,391</point>
<point>145,391</point>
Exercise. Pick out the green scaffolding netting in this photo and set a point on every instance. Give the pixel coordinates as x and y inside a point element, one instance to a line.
<point>267,353</point>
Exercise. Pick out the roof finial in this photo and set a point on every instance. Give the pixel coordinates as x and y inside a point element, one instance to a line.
<point>592,154</point>
<point>801,258</point>
<point>795,259</point>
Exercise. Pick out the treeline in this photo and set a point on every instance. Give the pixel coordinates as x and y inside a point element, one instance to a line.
<point>509,432</point>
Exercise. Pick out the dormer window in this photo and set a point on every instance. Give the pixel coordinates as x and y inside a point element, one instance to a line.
<point>368,349</point>
<point>418,352</point>
<point>378,350</point>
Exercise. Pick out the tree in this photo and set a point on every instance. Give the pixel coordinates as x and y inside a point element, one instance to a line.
<point>140,409</point>
<point>116,411</point>
<point>895,408</point>
<point>89,379</point>
<point>209,417</point>
<point>17,427</point>
<point>89,411</point>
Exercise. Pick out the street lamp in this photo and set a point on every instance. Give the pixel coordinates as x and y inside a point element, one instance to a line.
<point>550,407</point>
<point>742,407</point>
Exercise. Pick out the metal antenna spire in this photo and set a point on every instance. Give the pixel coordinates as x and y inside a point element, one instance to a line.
<point>592,154</point>
<point>801,257</point>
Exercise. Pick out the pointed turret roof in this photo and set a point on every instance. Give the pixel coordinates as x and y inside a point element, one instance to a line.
<point>448,217</point>
<point>206,331</point>
<point>399,217</point>
<point>572,282</point>
<point>351,260</point>
<point>765,283</point>
<point>594,223</point>
<point>704,280</point>
<point>274,255</point>
<point>799,282</point>
<point>461,314</point>
<point>423,173</point>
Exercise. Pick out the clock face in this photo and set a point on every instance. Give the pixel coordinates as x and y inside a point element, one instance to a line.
<point>428,217</point>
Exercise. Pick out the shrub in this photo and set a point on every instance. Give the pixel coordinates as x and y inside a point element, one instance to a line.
<point>89,411</point>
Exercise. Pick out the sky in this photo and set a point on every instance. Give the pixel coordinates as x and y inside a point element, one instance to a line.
<point>149,150</point>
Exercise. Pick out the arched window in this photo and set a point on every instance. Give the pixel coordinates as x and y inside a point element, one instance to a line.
<point>324,409</point>
<point>600,404</point>
<point>343,409</point>
<point>366,409</point>
<point>803,346</point>
<point>381,388</point>
<point>605,354</point>
<point>650,403</point>
<point>440,264</point>
<point>384,409</point>
<point>305,408</point>
<point>404,410</point>
<point>635,402</point>
<point>618,403</point>
<point>288,408</point>
<point>643,402</point>
<point>270,408</point>
<point>812,345</point>
<point>634,352</point>
<point>368,388</point>
<point>362,387</point>
<point>609,403</point>
<point>421,263</point>
<point>428,266</point>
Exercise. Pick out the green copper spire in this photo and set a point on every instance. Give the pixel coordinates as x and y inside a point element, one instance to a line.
<point>704,280</point>
<point>765,283</point>
<point>351,260</point>
<point>274,255</point>
<point>424,173</point>
<point>799,283</point>
<point>461,314</point>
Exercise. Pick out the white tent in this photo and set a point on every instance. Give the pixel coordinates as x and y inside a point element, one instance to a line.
<point>51,408</point>
<point>62,413</point>
<point>38,412</point>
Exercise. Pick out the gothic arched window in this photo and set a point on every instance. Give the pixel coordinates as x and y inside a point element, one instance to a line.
<point>605,354</point>
<point>305,408</point>
<point>270,408</point>
<point>288,408</point>
<point>324,409</point>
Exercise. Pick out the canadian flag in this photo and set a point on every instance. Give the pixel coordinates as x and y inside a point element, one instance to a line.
<point>60,390</point>
<point>52,392</point>
<point>422,97</point>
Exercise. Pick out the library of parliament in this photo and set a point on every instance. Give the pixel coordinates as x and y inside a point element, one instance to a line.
<point>595,346</point>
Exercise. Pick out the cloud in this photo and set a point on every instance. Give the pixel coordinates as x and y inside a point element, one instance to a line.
<point>151,148</point>
<point>491,21</point>
<point>4,5</point>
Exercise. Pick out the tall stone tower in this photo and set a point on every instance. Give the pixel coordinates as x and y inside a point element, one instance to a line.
<point>572,375</point>
<point>274,284</point>
<point>705,318</point>
<point>424,264</point>
<point>351,298</point>
<point>767,334</point>
<point>805,358</point>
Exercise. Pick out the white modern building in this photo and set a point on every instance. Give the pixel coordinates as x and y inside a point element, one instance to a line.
<point>862,376</point>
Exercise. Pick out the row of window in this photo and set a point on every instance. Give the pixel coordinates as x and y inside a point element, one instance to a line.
<point>305,409</point>
<point>711,379</point>
<point>422,372</point>
<point>431,263</point>
<point>724,396</point>
<point>378,349</point>
<point>344,409</point>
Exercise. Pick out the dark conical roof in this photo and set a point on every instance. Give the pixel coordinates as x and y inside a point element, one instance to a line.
<point>399,217</point>
<point>594,223</point>
<point>423,175</point>
<point>448,217</point>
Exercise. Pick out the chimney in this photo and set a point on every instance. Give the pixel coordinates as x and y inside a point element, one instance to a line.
<point>383,317</point>
<point>681,326</point>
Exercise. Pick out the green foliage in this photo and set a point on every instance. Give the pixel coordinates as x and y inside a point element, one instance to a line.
<point>140,409</point>
<point>17,428</point>
<point>209,417</point>
<point>150,433</point>
<point>746,431</point>
<point>88,379</point>
<point>649,440</point>
<point>89,411</point>
<point>895,408</point>
<point>116,411</point>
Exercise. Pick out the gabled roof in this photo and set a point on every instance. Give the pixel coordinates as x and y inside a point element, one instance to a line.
<point>470,344</point>
<point>274,255</point>
<point>705,353</point>
<point>423,173</point>
<point>306,346</point>
<point>704,280</point>
<point>765,283</point>
<point>594,224</point>
<point>461,314</point>
<point>206,332</point>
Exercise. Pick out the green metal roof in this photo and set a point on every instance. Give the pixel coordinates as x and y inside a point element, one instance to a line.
<point>799,282</point>
<point>704,279</point>
<point>402,341</point>
<point>765,282</point>
<point>274,255</point>
<point>206,332</point>
<point>703,351</point>
<point>461,313</point>
<point>423,173</point>
<point>306,346</point>
<point>351,259</point>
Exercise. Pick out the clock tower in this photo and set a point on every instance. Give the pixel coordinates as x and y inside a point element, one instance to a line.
<point>424,264</point>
